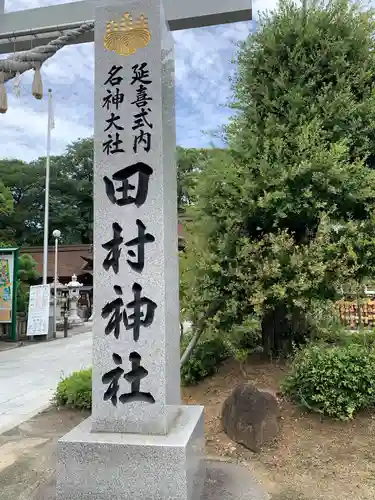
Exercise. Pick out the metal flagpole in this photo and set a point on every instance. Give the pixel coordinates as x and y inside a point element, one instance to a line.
<point>46,199</point>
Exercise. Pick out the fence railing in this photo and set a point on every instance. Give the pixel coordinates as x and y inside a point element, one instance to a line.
<point>5,332</point>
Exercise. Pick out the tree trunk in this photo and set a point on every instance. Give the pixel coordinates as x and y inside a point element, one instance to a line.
<point>280,328</point>
<point>199,328</point>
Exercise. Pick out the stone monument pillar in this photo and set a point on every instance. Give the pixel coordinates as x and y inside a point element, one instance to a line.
<point>140,442</point>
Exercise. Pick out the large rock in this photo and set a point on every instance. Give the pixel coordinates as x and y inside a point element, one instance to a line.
<point>251,417</point>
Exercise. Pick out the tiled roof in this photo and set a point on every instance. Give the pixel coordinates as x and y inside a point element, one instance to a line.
<point>70,259</point>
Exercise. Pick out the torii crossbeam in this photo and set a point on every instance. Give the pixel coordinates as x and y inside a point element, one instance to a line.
<point>43,24</point>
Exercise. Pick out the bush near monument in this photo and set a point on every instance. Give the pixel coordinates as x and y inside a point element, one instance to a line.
<point>335,381</point>
<point>75,391</point>
<point>341,453</point>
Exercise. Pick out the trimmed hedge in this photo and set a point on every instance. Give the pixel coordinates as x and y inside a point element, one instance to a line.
<point>335,381</point>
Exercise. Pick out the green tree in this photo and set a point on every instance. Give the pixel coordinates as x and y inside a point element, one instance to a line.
<point>71,195</point>
<point>190,162</point>
<point>27,274</point>
<point>289,214</point>
<point>6,202</point>
<point>72,192</point>
<point>23,224</point>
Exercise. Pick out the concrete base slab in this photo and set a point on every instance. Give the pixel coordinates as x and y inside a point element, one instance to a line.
<point>224,481</point>
<point>114,466</point>
<point>74,322</point>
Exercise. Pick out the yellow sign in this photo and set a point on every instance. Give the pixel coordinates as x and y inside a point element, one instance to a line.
<point>126,37</point>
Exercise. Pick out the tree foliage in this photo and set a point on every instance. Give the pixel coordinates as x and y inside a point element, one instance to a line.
<point>337,381</point>
<point>71,195</point>
<point>287,214</point>
<point>6,202</point>
<point>72,202</point>
<point>22,182</point>
<point>27,274</point>
<point>190,163</point>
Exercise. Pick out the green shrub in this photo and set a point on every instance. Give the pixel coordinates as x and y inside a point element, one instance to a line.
<point>361,337</point>
<point>75,391</point>
<point>335,381</point>
<point>343,337</point>
<point>204,361</point>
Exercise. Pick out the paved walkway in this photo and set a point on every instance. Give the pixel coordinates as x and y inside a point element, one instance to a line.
<point>29,375</point>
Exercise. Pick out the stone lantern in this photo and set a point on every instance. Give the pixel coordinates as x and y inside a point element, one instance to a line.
<point>74,287</point>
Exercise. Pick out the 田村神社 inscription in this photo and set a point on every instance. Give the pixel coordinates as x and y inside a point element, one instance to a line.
<point>139,312</point>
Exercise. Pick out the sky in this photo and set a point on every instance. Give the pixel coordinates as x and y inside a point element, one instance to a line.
<point>204,66</point>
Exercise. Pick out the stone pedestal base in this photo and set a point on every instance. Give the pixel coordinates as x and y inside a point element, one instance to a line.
<point>109,466</point>
<point>60,325</point>
<point>74,321</point>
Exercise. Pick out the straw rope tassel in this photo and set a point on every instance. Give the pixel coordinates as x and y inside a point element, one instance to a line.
<point>23,61</point>
<point>19,62</point>
<point>37,88</point>
<point>3,95</point>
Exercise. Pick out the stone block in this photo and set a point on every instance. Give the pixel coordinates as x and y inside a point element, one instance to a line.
<point>251,417</point>
<point>114,466</point>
